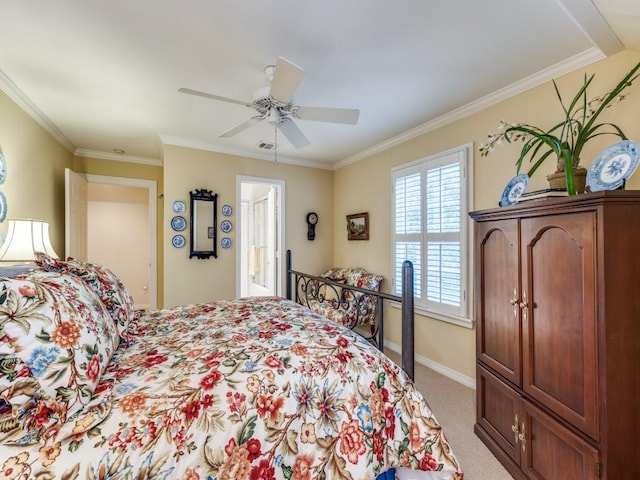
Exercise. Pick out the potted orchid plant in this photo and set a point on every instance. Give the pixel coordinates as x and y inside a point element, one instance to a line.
<point>565,140</point>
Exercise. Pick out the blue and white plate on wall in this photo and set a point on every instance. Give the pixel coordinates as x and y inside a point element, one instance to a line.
<point>3,207</point>
<point>613,166</point>
<point>179,206</point>
<point>178,241</point>
<point>225,242</point>
<point>227,210</point>
<point>226,226</point>
<point>3,169</point>
<point>516,187</point>
<point>178,223</point>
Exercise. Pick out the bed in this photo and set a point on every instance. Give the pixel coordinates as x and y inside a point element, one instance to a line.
<point>250,388</point>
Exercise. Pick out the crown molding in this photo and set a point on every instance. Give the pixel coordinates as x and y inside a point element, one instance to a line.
<point>574,63</point>
<point>81,152</point>
<point>214,147</point>
<point>15,94</point>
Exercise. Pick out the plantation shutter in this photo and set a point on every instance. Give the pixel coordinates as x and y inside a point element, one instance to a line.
<point>408,228</point>
<point>430,210</point>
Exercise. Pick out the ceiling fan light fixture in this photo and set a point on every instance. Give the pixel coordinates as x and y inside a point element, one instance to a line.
<point>274,116</point>
<point>269,71</point>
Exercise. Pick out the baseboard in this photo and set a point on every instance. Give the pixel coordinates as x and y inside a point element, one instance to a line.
<point>436,367</point>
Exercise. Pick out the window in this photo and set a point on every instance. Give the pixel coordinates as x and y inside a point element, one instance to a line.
<point>430,218</point>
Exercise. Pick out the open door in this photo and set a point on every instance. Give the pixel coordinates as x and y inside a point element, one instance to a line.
<point>75,215</point>
<point>260,236</point>
<point>98,209</point>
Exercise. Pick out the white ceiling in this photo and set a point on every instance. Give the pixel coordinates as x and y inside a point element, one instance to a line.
<point>105,75</point>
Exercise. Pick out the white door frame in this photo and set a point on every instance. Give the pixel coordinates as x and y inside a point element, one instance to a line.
<point>152,188</point>
<point>280,260</point>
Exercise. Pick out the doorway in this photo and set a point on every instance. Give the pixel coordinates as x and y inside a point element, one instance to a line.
<point>106,216</point>
<point>260,236</point>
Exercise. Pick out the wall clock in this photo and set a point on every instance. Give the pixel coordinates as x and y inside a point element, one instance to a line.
<point>312,220</point>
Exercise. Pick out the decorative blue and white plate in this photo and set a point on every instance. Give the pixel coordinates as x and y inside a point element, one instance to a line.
<point>516,187</point>
<point>179,206</point>
<point>613,166</point>
<point>178,241</point>
<point>3,207</point>
<point>3,169</point>
<point>178,223</point>
<point>226,226</point>
<point>227,210</point>
<point>225,242</point>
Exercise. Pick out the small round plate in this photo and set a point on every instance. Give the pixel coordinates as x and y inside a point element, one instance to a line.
<point>225,242</point>
<point>3,207</point>
<point>613,166</point>
<point>227,210</point>
<point>178,241</point>
<point>3,169</point>
<point>178,223</point>
<point>516,187</point>
<point>226,226</point>
<point>179,206</point>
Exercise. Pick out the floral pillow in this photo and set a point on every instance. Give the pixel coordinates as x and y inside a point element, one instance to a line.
<point>56,340</point>
<point>357,308</point>
<point>355,276</point>
<point>106,284</point>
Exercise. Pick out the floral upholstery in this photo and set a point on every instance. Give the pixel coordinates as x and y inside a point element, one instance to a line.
<point>56,340</point>
<point>106,284</point>
<point>346,307</point>
<point>245,389</point>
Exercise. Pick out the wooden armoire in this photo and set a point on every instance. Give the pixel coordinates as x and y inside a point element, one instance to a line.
<point>557,308</point>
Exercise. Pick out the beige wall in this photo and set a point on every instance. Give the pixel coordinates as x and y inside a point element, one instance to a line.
<point>34,187</point>
<point>306,189</point>
<point>118,214</point>
<point>366,186</point>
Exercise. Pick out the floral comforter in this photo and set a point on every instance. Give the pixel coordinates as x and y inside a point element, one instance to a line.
<point>243,389</point>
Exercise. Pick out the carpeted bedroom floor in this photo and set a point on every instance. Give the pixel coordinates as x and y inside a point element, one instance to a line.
<point>454,406</point>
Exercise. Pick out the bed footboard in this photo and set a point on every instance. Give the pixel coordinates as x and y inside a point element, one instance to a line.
<point>308,289</point>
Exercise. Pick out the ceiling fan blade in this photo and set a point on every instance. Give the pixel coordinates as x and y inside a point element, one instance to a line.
<point>293,133</point>
<point>243,126</point>
<point>286,80</point>
<point>214,97</point>
<point>328,114</point>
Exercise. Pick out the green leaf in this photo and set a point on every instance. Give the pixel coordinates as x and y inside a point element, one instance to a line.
<point>247,430</point>
<point>287,471</point>
<point>404,426</point>
<point>64,393</point>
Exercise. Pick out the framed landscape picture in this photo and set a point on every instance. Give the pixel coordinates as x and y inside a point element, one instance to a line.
<point>358,226</point>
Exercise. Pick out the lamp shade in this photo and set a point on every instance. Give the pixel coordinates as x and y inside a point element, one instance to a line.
<point>24,238</point>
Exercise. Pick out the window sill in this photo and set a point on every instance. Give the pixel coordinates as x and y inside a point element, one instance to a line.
<point>459,321</point>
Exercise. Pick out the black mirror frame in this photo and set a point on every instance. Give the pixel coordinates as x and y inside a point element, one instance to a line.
<point>206,196</point>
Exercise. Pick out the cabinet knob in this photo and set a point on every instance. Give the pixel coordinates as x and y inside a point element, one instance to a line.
<point>514,428</point>
<point>524,305</point>
<point>514,302</point>
<point>523,438</point>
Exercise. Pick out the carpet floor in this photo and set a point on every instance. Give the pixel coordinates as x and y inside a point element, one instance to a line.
<point>454,406</point>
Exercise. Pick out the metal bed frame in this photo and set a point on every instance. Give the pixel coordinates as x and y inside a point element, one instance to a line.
<point>309,286</point>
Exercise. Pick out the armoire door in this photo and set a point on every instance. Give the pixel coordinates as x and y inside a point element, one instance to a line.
<point>559,316</point>
<point>498,340</point>
<point>552,452</point>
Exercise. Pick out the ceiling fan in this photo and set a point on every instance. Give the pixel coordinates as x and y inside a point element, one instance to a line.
<point>275,104</point>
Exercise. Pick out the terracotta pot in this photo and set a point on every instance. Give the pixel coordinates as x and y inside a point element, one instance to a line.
<point>559,180</point>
